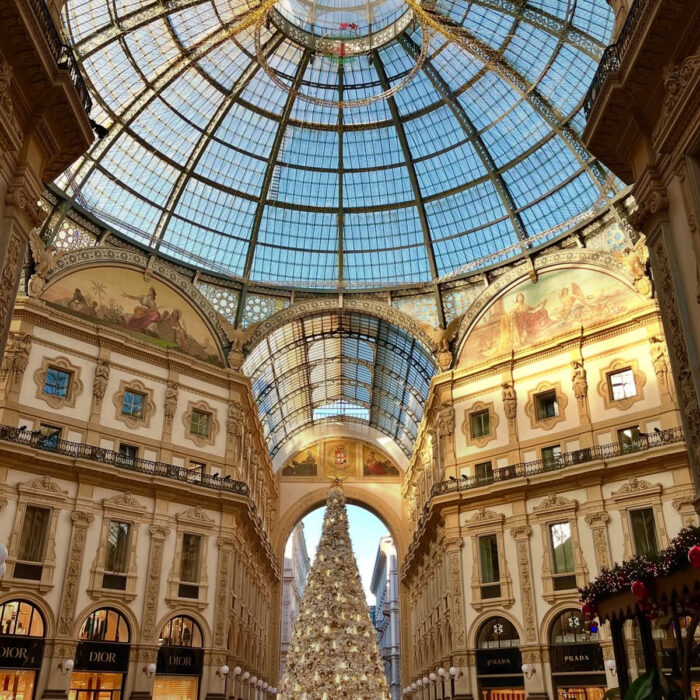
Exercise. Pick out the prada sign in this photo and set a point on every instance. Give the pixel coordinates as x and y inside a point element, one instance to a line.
<point>498,661</point>
<point>184,661</point>
<point>102,656</point>
<point>21,652</point>
<point>574,658</point>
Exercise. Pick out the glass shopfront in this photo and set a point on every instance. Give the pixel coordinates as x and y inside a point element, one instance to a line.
<point>102,657</point>
<point>667,643</point>
<point>180,660</point>
<point>576,657</point>
<point>499,662</point>
<point>22,633</point>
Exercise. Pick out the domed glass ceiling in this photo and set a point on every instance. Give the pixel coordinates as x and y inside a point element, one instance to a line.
<point>210,161</point>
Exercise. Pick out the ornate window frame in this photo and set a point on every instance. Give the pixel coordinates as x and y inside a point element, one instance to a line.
<point>488,522</point>
<point>531,405</point>
<point>75,386</point>
<point>124,508</point>
<point>553,510</point>
<point>214,426</point>
<point>480,407</point>
<point>633,495</point>
<point>195,522</point>
<point>45,493</point>
<point>603,386</point>
<point>149,406</point>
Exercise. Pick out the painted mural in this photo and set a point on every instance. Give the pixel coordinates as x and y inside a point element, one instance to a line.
<point>376,464</point>
<point>151,310</point>
<point>560,301</point>
<point>351,459</point>
<point>303,464</point>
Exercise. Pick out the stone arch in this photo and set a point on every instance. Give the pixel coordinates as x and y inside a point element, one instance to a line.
<point>355,496</point>
<point>478,622</point>
<point>39,603</point>
<point>132,620</point>
<point>551,615</point>
<point>196,616</point>
<point>368,307</point>
<point>594,260</point>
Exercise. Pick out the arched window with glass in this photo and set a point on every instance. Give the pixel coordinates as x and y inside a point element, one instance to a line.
<point>101,657</point>
<point>180,660</point>
<point>499,661</point>
<point>576,657</point>
<point>22,631</point>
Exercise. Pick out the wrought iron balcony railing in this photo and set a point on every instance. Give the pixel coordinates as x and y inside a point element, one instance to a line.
<point>646,441</point>
<point>613,54</point>
<point>65,59</point>
<point>40,440</point>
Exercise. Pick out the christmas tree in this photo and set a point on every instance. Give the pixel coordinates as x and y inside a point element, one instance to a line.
<point>334,652</point>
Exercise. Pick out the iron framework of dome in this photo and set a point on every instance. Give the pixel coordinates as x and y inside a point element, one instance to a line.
<point>207,160</point>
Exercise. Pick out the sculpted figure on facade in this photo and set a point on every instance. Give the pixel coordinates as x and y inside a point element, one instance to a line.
<point>442,337</point>
<point>510,400</point>
<point>659,359</point>
<point>16,358</point>
<point>234,422</point>
<point>171,393</point>
<point>578,380</point>
<point>99,385</point>
<point>45,260</point>
<point>635,260</point>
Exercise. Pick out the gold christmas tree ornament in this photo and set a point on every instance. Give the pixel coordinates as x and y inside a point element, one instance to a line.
<point>334,652</point>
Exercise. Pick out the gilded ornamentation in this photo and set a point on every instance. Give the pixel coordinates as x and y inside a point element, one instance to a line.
<point>132,419</point>
<point>634,485</point>
<point>45,259</point>
<point>441,339</point>
<point>522,535</point>
<point>636,261</point>
<point>81,522</point>
<point>155,566</point>
<point>9,276</point>
<point>196,515</point>
<point>124,500</point>
<point>73,389</point>
<point>598,523</point>
<point>457,600</point>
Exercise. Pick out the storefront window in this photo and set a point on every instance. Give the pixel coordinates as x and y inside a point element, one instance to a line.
<point>21,649</point>
<point>104,625</point>
<point>180,660</point>
<point>181,631</point>
<point>95,686</point>
<point>498,633</point>
<point>499,661</point>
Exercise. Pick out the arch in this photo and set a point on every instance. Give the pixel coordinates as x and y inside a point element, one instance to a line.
<point>196,616</point>
<point>478,623</point>
<point>195,636</point>
<point>110,613</point>
<point>33,630</point>
<point>379,310</point>
<point>123,610</point>
<point>580,259</point>
<point>40,604</point>
<point>551,616</point>
<point>354,496</point>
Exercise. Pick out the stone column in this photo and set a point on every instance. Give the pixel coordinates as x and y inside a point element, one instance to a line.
<point>598,522</point>
<point>462,685</point>
<point>676,312</point>
<point>446,435</point>
<point>58,683</point>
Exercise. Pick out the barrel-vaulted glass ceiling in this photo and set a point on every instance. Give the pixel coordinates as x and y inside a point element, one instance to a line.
<point>340,366</point>
<point>208,160</point>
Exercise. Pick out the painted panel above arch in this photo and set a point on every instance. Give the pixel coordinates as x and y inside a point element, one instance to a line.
<point>148,309</point>
<point>562,300</point>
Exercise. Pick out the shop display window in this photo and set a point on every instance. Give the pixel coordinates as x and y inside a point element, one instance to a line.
<point>16,684</point>
<point>86,685</point>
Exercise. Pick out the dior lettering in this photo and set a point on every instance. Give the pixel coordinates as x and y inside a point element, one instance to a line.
<point>179,661</point>
<point>102,657</point>
<point>13,653</point>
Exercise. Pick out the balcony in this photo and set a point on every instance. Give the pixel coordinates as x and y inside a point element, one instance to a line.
<point>647,441</point>
<point>78,450</point>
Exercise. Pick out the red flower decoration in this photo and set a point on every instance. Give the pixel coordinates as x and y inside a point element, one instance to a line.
<point>587,610</point>
<point>639,589</point>
<point>694,556</point>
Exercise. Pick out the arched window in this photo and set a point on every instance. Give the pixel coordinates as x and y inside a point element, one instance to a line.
<point>105,625</point>
<point>181,631</point>
<point>498,633</point>
<point>18,617</point>
<point>569,628</point>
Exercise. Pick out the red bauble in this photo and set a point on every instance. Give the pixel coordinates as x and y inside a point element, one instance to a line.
<point>639,589</point>
<point>587,610</point>
<point>694,556</point>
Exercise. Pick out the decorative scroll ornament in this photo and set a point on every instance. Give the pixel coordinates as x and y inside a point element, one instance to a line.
<point>636,260</point>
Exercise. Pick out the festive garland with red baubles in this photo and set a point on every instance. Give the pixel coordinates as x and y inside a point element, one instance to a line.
<point>637,575</point>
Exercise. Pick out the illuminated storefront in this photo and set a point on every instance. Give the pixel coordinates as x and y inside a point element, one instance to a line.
<point>499,661</point>
<point>102,657</point>
<point>576,657</point>
<point>180,660</point>
<point>22,631</point>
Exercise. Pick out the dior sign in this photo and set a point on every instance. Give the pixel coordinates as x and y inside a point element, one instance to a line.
<point>19,652</point>
<point>102,656</point>
<point>184,661</point>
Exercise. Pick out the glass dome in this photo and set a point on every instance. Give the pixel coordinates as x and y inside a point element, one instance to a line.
<point>245,165</point>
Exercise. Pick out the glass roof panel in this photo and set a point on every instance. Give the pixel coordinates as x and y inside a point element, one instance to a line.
<point>208,158</point>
